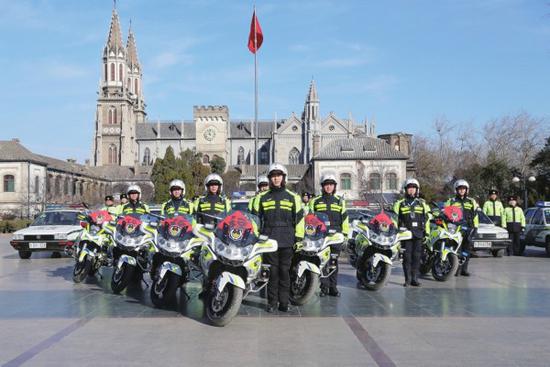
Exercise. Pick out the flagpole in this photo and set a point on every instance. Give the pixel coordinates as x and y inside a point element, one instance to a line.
<point>256,95</point>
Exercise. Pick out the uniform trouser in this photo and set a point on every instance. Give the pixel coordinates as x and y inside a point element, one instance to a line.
<point>467,247</point>
<point>517,247</point>
<point>411,259</point>
<point>331,281</point>
<point>278,288</point>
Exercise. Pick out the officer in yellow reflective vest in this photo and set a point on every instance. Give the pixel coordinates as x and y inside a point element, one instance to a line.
<point>515,224</point>
<point>469,211</point>
<point>214,203</point>
<point>177,205</point>
<point>263,185</point>
<point>281,218</point>
<point>334,207</point>
<point>414,214</point>
<point>493,209</point>
<point>109,206</point>
<point>123,201</point>
<point>134,207</point>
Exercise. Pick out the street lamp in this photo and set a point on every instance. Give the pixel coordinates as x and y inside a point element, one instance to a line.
<point>516,179</point>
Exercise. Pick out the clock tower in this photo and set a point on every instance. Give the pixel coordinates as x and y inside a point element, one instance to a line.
<point>211,124</point>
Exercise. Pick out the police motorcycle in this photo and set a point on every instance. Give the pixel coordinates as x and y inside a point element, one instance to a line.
<point>177,255</point>
<point>92,249</point>
<point>135,237</point>
<point>231,262</point>
<point>442,253</point>
<point>313,259</point>
<point>376,245</point>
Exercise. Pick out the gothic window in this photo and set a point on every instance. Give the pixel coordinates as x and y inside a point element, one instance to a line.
<point>294,156</point>
<point>112,72</point>
<point>146,157</point>
<point>345,181</point>
<point>205,159</point>
<point>374,181</point>
<point>113,154</point>
<point>129,84</point>
<point>115,119</point>
<point>136,89</point>
<point>36,184</point>
<point>9,183</point>
<point>264,155</point>
<point>120,76</point>
<point>391,181</point>
<point>110,116</point>
<point>240,156</point>
<point>106,72</point>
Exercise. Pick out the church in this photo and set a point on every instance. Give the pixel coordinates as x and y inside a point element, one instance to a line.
<point>307,143</point>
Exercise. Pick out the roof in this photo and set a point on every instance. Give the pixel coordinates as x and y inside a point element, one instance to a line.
<point>13,151</point>
<point>358,148</point>
<point>242,128</point>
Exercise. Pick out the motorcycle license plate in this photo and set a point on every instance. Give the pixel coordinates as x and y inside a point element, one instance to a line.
<point>483,244</point>
<point>37,245</point>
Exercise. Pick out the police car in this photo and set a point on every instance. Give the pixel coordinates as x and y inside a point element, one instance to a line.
<point>537,226</point>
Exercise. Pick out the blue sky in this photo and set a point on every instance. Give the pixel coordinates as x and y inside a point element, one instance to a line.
<point>403,63</point>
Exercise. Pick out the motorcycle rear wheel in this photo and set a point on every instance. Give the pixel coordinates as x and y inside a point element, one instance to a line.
<point>222,307</point>
<point>443,270</point>
<point>82,269</point>
<point>303,288</point>
<point>121,277</point>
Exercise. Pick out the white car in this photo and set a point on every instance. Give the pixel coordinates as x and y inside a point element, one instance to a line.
<point>52,230</point>
<point>490,237</point>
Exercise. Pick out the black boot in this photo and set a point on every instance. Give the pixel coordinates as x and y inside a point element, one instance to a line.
<point>464,270</point>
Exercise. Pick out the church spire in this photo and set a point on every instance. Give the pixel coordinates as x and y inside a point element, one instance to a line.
<point>114,41</point>
<point>132,49</point>
<point>312,95</point>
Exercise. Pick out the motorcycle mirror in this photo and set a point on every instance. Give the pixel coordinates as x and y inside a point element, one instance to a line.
<point>263,237</point>
<point>209,226</point>
<point>364,221</point>
<point>154,224</point>
<point>331,231</point>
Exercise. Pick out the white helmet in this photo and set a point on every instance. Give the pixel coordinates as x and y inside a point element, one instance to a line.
<point>277,167</point>
<point>177,183</point>
<point>133,188</point>
<point>211,178</point>
<point>461,182</point>
<point>328,177</point>
<point>263,180</point>
<point>411,182</point>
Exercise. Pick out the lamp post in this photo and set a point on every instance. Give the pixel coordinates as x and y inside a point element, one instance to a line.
<point>525,179</point>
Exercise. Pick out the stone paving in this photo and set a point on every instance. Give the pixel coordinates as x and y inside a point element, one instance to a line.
<point>498,317</point>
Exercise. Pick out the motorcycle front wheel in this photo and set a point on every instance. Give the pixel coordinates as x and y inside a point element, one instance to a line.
<point>443,270</point>
<point>121,277</point>
<point>163,291</point>
<point>82,269</point>
<point>425,263</point>
<point>222,307</point>
<point>374,277</point>
<point>302,288</point>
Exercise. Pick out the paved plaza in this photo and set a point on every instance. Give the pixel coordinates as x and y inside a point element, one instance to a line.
<point>498,317</point>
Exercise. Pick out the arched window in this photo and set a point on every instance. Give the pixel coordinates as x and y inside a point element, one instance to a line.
<point>120,75</point>
<point>391,181</point>
<point>36,184</point>
<point>240,156</point>
<point>113,159</point>
<point>294,156</point>
<point>129,85</point>
<point>106,72</point>
<point>374,181</point>
<point>264,155</point>
<point>110,116</point>
<point>146,157</point>
<point>136,87</point>
<point>9,183</point>
<point>113,72</point>
<point>345,181</point>
<point>205,159</point>
<point>115,119</point>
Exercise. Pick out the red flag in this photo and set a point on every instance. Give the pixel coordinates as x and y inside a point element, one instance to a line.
<point>256,36</point>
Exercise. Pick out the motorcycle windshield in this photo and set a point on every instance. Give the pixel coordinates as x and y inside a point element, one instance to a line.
<point>238,228</point>
<point>129,226</point>
<point>178,228</point>
<point>383,225</point>
<point>316,225</point>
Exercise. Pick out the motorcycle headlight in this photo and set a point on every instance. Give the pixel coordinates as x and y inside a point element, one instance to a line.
<point>312,245</point>
<point>452,228</point>
<point>172,246</point>
<point>60,236</point>
<point>18,236</point>
<point>232,252</point>
<point>383,240</point>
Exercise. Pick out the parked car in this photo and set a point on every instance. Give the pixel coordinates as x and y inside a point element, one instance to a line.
<point>51,230</point>
<point>537,226</point>
<point>490,237</point>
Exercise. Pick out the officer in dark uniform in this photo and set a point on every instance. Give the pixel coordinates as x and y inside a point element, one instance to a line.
<point>134,206</point>
<point>213,204</point>
<point>335,208</point>
<point>414,214</point>
<point>281,215</point>
<point>177,205</point>
<point>515,224</point>
<point>469,211</point>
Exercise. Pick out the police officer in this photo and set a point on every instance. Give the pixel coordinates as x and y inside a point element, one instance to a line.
<point>123,201</point>
<point>414,214</point>
<point>134,206</point>
<point>515,224</point>
<point>177,205</point>
<point>334,207</point>
<point>469,211</point>
<point>281,217</point>
<point>109,206</point>
<point>263,185</point>
<point>213,203</point>
<point>493,208</point>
